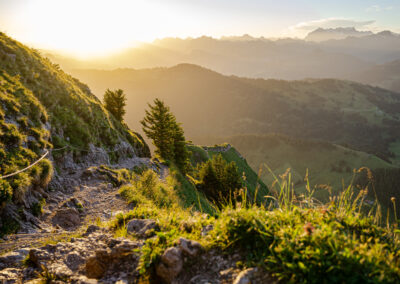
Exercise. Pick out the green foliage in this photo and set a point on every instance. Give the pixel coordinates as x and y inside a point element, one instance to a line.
<point>5,192</point>
<point>256,189</point>
<point>296,239</point>
<point>115,102</point>
<point>160,125</point>
<point>37,207</point>
<point>34,87</point>
<point>148,189</point>
<point>219,179</point>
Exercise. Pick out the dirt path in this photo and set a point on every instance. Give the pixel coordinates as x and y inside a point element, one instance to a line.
<point>86,200</point>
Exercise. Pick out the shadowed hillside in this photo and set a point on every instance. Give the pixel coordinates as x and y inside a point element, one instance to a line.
<point>208,103</point>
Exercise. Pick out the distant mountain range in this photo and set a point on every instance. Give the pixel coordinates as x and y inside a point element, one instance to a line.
<point>321,34</point>
<point>349,58</point>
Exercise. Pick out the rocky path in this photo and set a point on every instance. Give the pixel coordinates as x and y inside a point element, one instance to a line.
<point>83,198</point>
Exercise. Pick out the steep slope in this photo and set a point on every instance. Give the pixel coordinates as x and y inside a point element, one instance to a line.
<point>209,103</point>
<point>251,181</point>
<point>47,113</point>
<point>326,163</point>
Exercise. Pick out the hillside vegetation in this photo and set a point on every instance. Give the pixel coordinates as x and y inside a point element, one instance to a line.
<point>42,108</point>
<point>328,166</point>
<point>292,240</point>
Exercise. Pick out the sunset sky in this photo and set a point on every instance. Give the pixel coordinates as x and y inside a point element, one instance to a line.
<point>95,27</point>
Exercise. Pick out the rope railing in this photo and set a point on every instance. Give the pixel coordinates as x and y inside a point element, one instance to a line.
<point>31,165</point>
<point>45,154</point>
<point>27,168</point>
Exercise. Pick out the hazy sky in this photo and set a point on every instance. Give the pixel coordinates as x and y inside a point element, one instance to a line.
<point>92,27</point>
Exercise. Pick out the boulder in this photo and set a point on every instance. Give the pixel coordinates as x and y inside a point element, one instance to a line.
<point>190,248</point>
<point>140,227</point>
<point>13,259</point>
<point>96,266</point>
<point>67,218</point>
<point>74,261</point>
<point>171,264</point>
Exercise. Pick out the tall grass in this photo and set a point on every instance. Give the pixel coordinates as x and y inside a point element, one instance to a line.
<point>295,237</point>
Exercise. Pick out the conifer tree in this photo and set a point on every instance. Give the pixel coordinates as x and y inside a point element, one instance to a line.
<point>160,125</point>
<point>115,102</point>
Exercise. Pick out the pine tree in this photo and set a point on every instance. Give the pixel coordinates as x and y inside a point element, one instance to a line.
<point>181,153</point>
<point>158,125</point>
<point>115,102</point>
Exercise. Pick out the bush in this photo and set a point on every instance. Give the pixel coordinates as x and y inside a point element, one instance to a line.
<point>147,190</point>
<point>219,179</point>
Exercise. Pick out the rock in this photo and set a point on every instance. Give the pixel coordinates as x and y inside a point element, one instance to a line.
<point>140,227</point>
<point>10,275</point>
<point>74,261</point>
<point>96,266</point>
<point>171,264</point>
<point>190,248</point>
<point>123,248</point>
<point>13,259</point>
<point>91,229</point>
<point>39,257</point>
<point>67,218</point>
<point>245,277</point>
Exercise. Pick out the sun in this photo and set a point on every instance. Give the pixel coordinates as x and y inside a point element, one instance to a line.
<point>88,28</point>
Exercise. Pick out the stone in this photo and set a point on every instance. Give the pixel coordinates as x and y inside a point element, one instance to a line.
<point>10,275</point>
<point>13,259</point>
<point>140,227</point>
<point>96,266</point>
<point>123,248</point>
<point>245,276</point>
<point>91,229</point>
<point>39,257</point>
<point>190,248</point>
<point>171,264</point>
<point>67,218</point>
<point>74,261</point>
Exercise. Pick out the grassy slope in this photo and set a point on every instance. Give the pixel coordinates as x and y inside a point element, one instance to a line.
<point>209,103</point>
<point>74,112</point>
<point>297,242</point>
<point>252,182</point>
<point>327,164</point>
<point>41,108</point>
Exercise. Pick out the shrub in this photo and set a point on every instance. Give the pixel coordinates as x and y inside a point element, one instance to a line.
<point>148,189</point>
<point>219,179</point>
<point>37,207</point>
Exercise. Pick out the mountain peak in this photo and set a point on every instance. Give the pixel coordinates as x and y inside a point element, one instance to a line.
<point>322,34</point>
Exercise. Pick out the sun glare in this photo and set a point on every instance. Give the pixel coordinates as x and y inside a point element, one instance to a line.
<point>92,28</point>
